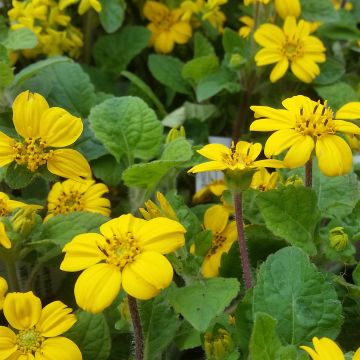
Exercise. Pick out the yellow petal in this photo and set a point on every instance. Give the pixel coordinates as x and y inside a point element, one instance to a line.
<point>65,3</point>
<point>280,141</point>
<point>274,119</point>
<point>311,352</point>
<point>84,6</point>
<point>96,5</point>
<point>58,348</point>
<point>346,127</point>
<point>211,264</point>
<point>161,235</point>
<point>349,111</point>
<point>326,348</point>
<point>286,8</point>
<point>69,163</point>
<point>356,355</point>
<point>216,219</point>
<point>164,43</point>
<point>214,151</point>
<point>22,310</point>
<point>295,103</point>
<point>208,166</point>
<point>300,152</point>
<point>4,239</point>
<point>305,69</point>
<point>55,319</point>
<point>7,342</point>
<point>59,128</point>
<point>82,252</point>
<point>97,287</point>
<point>155,11</point>
<point>271,163</point>
<point>268,56</point>
<point>279,70</point>
<point>181,32</point>
<point>6,149</point>
<point>334,155</point>
<point>269,35</point>
<point>28,109</point>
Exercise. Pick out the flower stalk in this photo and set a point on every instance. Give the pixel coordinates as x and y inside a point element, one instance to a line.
<point>138,333</point>
<point>308,173</point>
<point>244,255</point>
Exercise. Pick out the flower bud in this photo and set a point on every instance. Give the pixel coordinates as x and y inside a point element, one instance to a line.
<point>24,219</point>
<point>286,8</point>
<point>175,133</point>
<point>219,345</point>
<point>338,238</point>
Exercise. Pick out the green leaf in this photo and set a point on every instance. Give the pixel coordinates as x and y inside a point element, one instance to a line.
<point>127,127</point>
<point>290,289</point>
<point>337,196</point>
<point>200,67</point>
<point>338,31</point>
<point>264,342</point>
<point>61,229</point>
<point>337,94</point>
<point>291,213</point>
<point>159,323</point>
<point>291,352</point>
<point>330,71</point>
<point>356,275</point>
<point>22,38</point>
<point>200,303</point>
<point>114,52</point>
<point>213,84</point>
<point>18,176</point>
<point>187,337</point>
<point>174,155</point>
<point>202,46</point>
<point>91,333</point>
<point>33,69</point>
<point>107,169</point>
<point>233,43</point>
<point>112,14</point>
<point>6,74</point>
<point>319,10</point>
<point>167,71</point>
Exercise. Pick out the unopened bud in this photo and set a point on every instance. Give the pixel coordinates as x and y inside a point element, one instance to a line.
<point>338,238</point>
<point>175,133</point>
<point>236,60</point>
<point>219,345</point>
<point>24,219</point>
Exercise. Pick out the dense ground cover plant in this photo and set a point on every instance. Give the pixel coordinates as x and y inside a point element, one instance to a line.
<point>179,179</point>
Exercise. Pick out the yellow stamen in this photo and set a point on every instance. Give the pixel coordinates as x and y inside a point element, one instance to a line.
<point>73,201</point>
<point>29,341</point>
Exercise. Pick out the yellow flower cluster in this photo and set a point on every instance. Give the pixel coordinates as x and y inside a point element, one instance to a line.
<point>52,27</point>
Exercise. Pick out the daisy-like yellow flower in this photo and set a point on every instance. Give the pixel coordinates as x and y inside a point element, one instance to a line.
<point>3,290</point>
<point>167,27</point>
<point>84,5</point>
<point>7,205</point>
<point>264,181</point>
<point>4,239</point>
<point>42,129</point>
<point>290,46</point>
<point>206,10</point>
<point>245,31</point>
<point>286,8</point>
<point>128,253</point>
<point>164,209</point>
<point>216,187</point>
<point>69,196</point>
<point>241,156</point>
<point>37,329</point>
<point>326,349</point>
<point>304,125</point>
<point>216,219</point>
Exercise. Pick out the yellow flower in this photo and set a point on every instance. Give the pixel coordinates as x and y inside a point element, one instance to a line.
<point>7,205</point>
<point>42,129</point>
<point>218,345</point>
<point>245,31</point>
<point>216,187</point>
<point>305,125</point>
<point>3,290</point>
<point>69,196</point>
<point>262,180</point>
<point>337,5</point>
<point>128,253</point>
<point>249,2</point>
<point>4,239</point>
<point>238,157</point>
<point>38,329</point>
<point>166,26</point>
<point>84,5</point>
<point>224,234</point>
<point>153,211</point>
<point>206,10</point>
<point>291,46</point>
<point>286,8</point>
<point>326,349</point>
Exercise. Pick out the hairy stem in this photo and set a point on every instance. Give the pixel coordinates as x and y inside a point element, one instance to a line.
<point>138,334</point>
<point>12,278</point>
<point>244,255</point>
<point>308,173</point>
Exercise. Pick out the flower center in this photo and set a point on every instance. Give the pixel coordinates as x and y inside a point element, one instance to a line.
<point>29,341</point>
<point>69,202</point>
<point>3,208</point>
<point>120,251</point>
<point>316,123</point>
<point>32,153</point>
<point>236,158</point>
<point>292,49</point>
<point>217,242</point>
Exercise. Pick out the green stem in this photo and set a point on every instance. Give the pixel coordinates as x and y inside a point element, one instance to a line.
<point>138,334</point>
<point>244,256</point>
<point>88,35</point>
<point>12,278</point>
<point>308,173</point>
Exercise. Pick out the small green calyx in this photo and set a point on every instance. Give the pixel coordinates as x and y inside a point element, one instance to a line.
<point>239,180</point>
